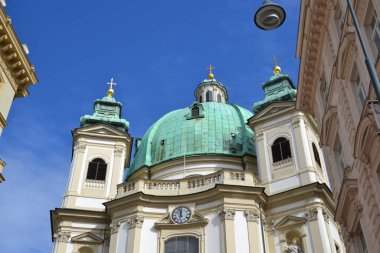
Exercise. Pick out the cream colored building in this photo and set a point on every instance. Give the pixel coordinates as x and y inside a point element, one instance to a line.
<point>334,87</point>
<point>211,177</point>
<point>16,72</point>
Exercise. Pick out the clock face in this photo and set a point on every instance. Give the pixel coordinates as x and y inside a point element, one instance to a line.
<point>181,214</point>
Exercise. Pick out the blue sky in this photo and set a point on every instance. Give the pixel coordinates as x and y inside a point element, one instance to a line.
<point>157,51</point>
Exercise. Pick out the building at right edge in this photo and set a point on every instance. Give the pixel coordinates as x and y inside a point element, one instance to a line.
<point>334,87</point>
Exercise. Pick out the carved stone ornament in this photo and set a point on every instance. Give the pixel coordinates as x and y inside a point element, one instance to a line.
<point>81,147</point>
<point>326,215</point>
<point>227,214</point>
<point>252,215</point>
<point>269,226</point>
<point>114,227</point>
<point>118,151</point>
<point>62,236</point>
<point>358,207</point>
<point>135,222</point>
<point>312,214</point>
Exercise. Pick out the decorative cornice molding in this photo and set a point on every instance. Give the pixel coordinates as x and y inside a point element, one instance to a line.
<point>227,214</point>
<point>252,215</point>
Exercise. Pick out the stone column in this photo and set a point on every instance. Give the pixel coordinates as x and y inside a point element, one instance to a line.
<point>114,227</point>
<point>227,217</point>
<point>318,232</point>
<point>63,240</point>
<point>134,233</point>
<point>254,231</point>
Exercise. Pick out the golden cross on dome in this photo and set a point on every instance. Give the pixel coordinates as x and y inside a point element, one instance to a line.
<point>210,75</point>
<point>276,69</point>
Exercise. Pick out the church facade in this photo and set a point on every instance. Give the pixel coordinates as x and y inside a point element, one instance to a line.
<point>211,177</point>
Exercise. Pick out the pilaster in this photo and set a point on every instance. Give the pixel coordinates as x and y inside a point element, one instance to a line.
<point>254,229</point>
<point>114,239</point>
<point>318,232</point>
<point>63,238</point>
<point>134,233</point>
<point>227,218</point>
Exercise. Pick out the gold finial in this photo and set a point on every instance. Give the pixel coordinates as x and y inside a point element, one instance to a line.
<point>210,75</point>
<point>110,91</point>
<point>276,69</point>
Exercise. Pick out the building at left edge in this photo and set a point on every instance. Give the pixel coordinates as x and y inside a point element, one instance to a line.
<point>16,71</point>
<point>211,177</point>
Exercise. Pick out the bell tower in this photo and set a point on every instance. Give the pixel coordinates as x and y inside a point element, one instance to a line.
<point>101,151</point>
<point>287,141</point>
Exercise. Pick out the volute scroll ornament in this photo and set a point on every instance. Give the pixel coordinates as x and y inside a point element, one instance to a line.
<point>62,236</point>
<point>114,227</point>
<point>135,222</point>
<point>227,214</point>
<point>252,215</point>
<point>312,214</point>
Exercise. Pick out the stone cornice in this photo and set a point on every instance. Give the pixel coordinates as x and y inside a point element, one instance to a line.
<point>302,193</point>
<point>13,60</point>
<point>311,35</point>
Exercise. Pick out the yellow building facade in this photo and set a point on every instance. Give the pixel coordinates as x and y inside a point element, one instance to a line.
<point>16,72</point>
<point>334,87</point>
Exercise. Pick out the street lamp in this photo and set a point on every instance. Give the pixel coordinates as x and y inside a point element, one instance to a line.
<point>269,16</point>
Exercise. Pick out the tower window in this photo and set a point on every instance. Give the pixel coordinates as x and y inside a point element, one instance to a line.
<point>182,244</point>
<point>208,96</point>
<point>97,169</point>
<point>316,155</point>
<point>281,149</point>
<point>219,98</point>
<point>200,99</point>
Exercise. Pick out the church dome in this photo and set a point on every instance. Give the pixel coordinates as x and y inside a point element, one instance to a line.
<point>210,128</point>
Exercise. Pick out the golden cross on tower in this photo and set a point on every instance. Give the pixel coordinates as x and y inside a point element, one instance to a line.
<point>276,69</point>
<point>110,91</point>
<point>210,75</point>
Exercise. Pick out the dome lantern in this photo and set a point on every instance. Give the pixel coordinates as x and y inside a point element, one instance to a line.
<point>210,90</point>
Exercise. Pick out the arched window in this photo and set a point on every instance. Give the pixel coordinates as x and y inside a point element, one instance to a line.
<point>85,250</point>
<point>97,169</point>
<point>209,96</point>
<point>316,155</point>
<point>200,99</point>
<point>281,149</point>
<point>182,244</point>
<point>219,97</point>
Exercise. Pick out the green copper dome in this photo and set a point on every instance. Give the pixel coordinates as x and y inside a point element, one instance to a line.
<point>211,128</point>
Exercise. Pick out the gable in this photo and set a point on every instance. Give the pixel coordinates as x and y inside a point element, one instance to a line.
<point>87,238</point>
<point>273,110</point>
<point>100,130</point>
<point>289,222</point>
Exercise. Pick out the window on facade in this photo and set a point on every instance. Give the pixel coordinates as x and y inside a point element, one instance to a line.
<point>97,169</point>
<point>361,243</point>
<point>208,96</point>
<point>281,149</point>
<point>324,88</point>
<point>182,244</point>
<point>373,29</point>
<point>338,154</point>
<point>339,19</point>
<point>200,99</point>
<point>357,86</point>
<point>316,155</point>
<point>85,250</point>
<point>219,97</point>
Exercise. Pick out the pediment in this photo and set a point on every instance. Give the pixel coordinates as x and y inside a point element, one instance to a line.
<point>273,110</point>
<point>100,129</point>
<point>290,222</point>
<point>87,238</point>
